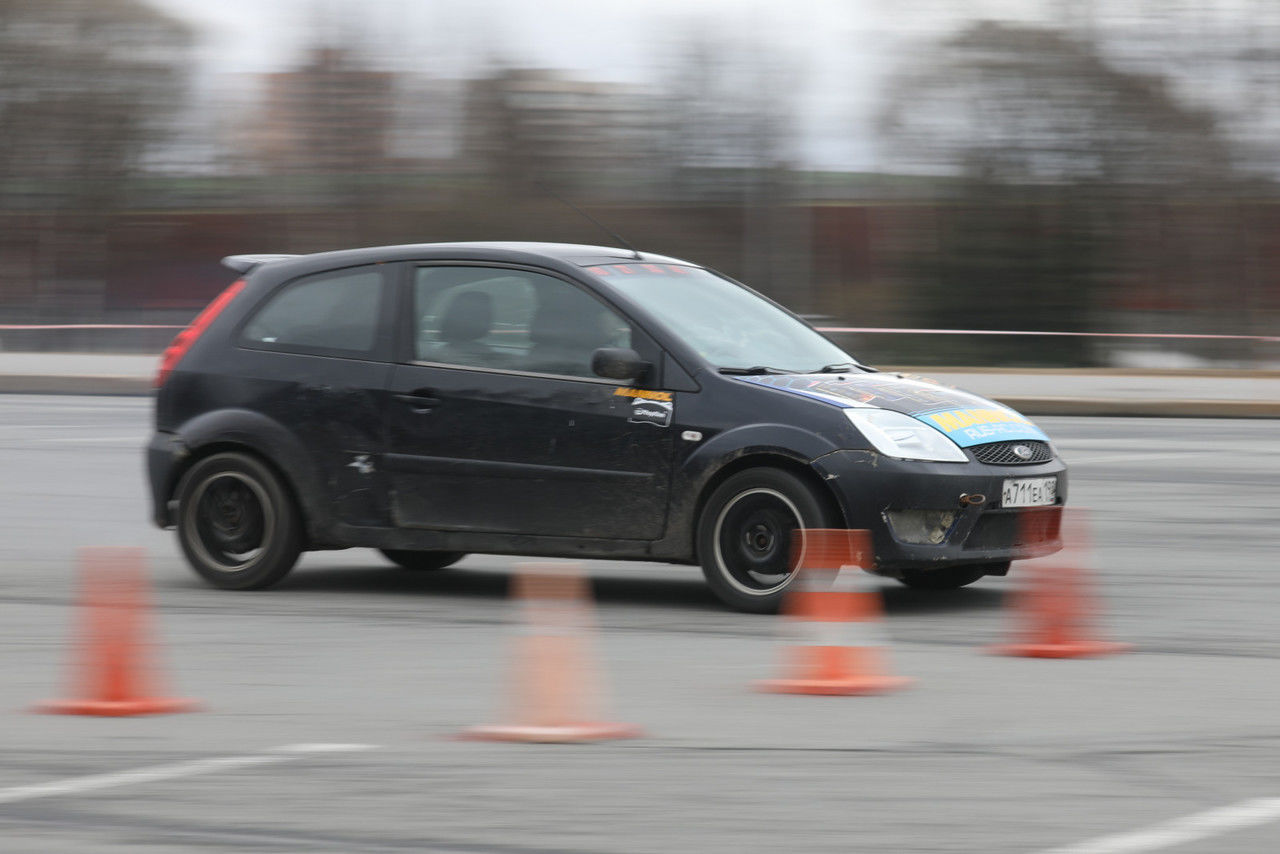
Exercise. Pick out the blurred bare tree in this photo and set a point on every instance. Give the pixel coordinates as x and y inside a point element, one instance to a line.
<point>1052,147</point>
<point>729,138</point>
<point>1015,104</point>
<point>728,118</point>
<point>87,88</point>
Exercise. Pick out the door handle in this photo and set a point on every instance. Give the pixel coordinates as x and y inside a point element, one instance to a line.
<point>419,400</point>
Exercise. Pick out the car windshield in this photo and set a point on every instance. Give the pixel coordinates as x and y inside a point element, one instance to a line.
<point>727,325</point>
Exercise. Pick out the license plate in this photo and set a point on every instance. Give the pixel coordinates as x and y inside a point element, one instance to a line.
<point>1029,492</point>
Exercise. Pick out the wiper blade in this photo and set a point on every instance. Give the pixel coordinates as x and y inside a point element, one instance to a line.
<point>754,370</point>
<point>843,368</point>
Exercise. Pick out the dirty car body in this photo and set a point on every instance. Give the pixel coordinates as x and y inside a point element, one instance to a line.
<point>544,399</point>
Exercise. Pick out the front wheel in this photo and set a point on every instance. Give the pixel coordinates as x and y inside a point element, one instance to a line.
<point>422,561</point>
<point>745,533</point>
<point>237,524</point>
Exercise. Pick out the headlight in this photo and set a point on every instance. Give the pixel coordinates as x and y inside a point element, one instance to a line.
<point>896,435</point>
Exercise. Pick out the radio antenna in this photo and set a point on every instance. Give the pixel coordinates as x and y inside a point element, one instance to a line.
<point>609,231</point>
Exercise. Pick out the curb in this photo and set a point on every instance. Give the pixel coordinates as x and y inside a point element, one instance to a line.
<point>90,385</point>
<point>1156,408</point>
<point>1226,373</point>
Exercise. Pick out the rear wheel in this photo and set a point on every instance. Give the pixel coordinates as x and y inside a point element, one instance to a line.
<point>949,577</point>
<point>422,561</point>
<point>745,534</point>
<point>237,524</point>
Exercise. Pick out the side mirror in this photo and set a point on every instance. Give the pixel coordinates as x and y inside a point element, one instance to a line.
<point>617,363</point>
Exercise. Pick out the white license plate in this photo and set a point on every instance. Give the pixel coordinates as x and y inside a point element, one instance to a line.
<point>1029,492</point>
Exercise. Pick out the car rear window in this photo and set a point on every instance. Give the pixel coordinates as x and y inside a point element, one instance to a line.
<point>329,312</point>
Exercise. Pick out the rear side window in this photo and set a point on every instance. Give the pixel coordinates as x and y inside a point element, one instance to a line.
<point>328,313</point>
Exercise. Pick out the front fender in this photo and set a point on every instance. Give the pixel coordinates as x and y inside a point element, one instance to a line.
<point>802,446</point>
<point>701,466</point>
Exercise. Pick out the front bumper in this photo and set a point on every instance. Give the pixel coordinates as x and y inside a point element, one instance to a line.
<point>870,487</point>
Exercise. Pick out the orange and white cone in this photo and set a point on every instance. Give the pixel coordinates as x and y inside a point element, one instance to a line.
<point>837,615</point>
<point>1056,609</point>
<point>556,695</point>
<point>115,669</point>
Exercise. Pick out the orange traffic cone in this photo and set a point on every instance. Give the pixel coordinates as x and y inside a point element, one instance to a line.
<point>555,696</point>
<point>113,649</point>
<point>837,613</point>
<point>1057,607</point>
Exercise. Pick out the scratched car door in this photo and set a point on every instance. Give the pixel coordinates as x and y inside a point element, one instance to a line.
<point>497,423</point>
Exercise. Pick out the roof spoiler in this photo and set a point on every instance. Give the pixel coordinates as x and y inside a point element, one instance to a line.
<point>245,263</point>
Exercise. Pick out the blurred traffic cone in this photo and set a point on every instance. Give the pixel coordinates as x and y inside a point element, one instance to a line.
<point>1057,606</point>
<point>555,696</point>
<point>114,665</point>
<point>837,613</point>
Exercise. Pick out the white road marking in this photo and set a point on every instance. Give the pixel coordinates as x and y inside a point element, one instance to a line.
<point>77,439</point>
<point>152,773</point>
<point>1182,830</point>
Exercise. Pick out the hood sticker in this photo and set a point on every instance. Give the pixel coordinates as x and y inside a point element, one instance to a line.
<point>965,418</point>
<point>977,426</point>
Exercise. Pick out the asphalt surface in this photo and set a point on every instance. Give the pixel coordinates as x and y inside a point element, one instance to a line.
<point>983,754</point>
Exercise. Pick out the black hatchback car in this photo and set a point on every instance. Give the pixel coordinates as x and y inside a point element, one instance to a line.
<point>545,399</point>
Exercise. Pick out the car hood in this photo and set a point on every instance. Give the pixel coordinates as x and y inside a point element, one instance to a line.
<point>964,418</point>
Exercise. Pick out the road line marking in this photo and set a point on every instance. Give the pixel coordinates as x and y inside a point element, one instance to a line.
<point>1181,830</point>
<point>171,771</point>
<point>72,440</point>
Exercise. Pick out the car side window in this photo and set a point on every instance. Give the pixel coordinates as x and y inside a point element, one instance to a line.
<point>329,312</point>
<point>489,317</point>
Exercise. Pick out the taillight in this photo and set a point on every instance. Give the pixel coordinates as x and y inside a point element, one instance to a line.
<point>183,340</point>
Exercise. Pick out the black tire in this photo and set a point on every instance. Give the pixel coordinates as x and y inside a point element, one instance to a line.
<point>422,561</point>
<point>237,523</point>
<point>947,577</point>
<point>744,535</point>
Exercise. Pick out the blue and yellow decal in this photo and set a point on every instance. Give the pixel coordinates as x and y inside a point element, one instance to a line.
<point>982,424</point>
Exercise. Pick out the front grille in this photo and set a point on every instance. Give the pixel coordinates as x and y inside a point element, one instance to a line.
<point>1001,453</point>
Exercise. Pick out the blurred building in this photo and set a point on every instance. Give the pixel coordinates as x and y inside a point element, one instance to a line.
<point>327,116</point>
<point>536,128</point>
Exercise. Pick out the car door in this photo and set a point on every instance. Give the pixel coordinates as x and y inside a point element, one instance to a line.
<point>316,359</point>
<point>496,422</point>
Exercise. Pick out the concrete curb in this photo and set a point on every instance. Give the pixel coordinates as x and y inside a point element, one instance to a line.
<point>1117,407</point>
<point>59,384</point>
<point>1239,373</point>
<point>1098,406</point>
